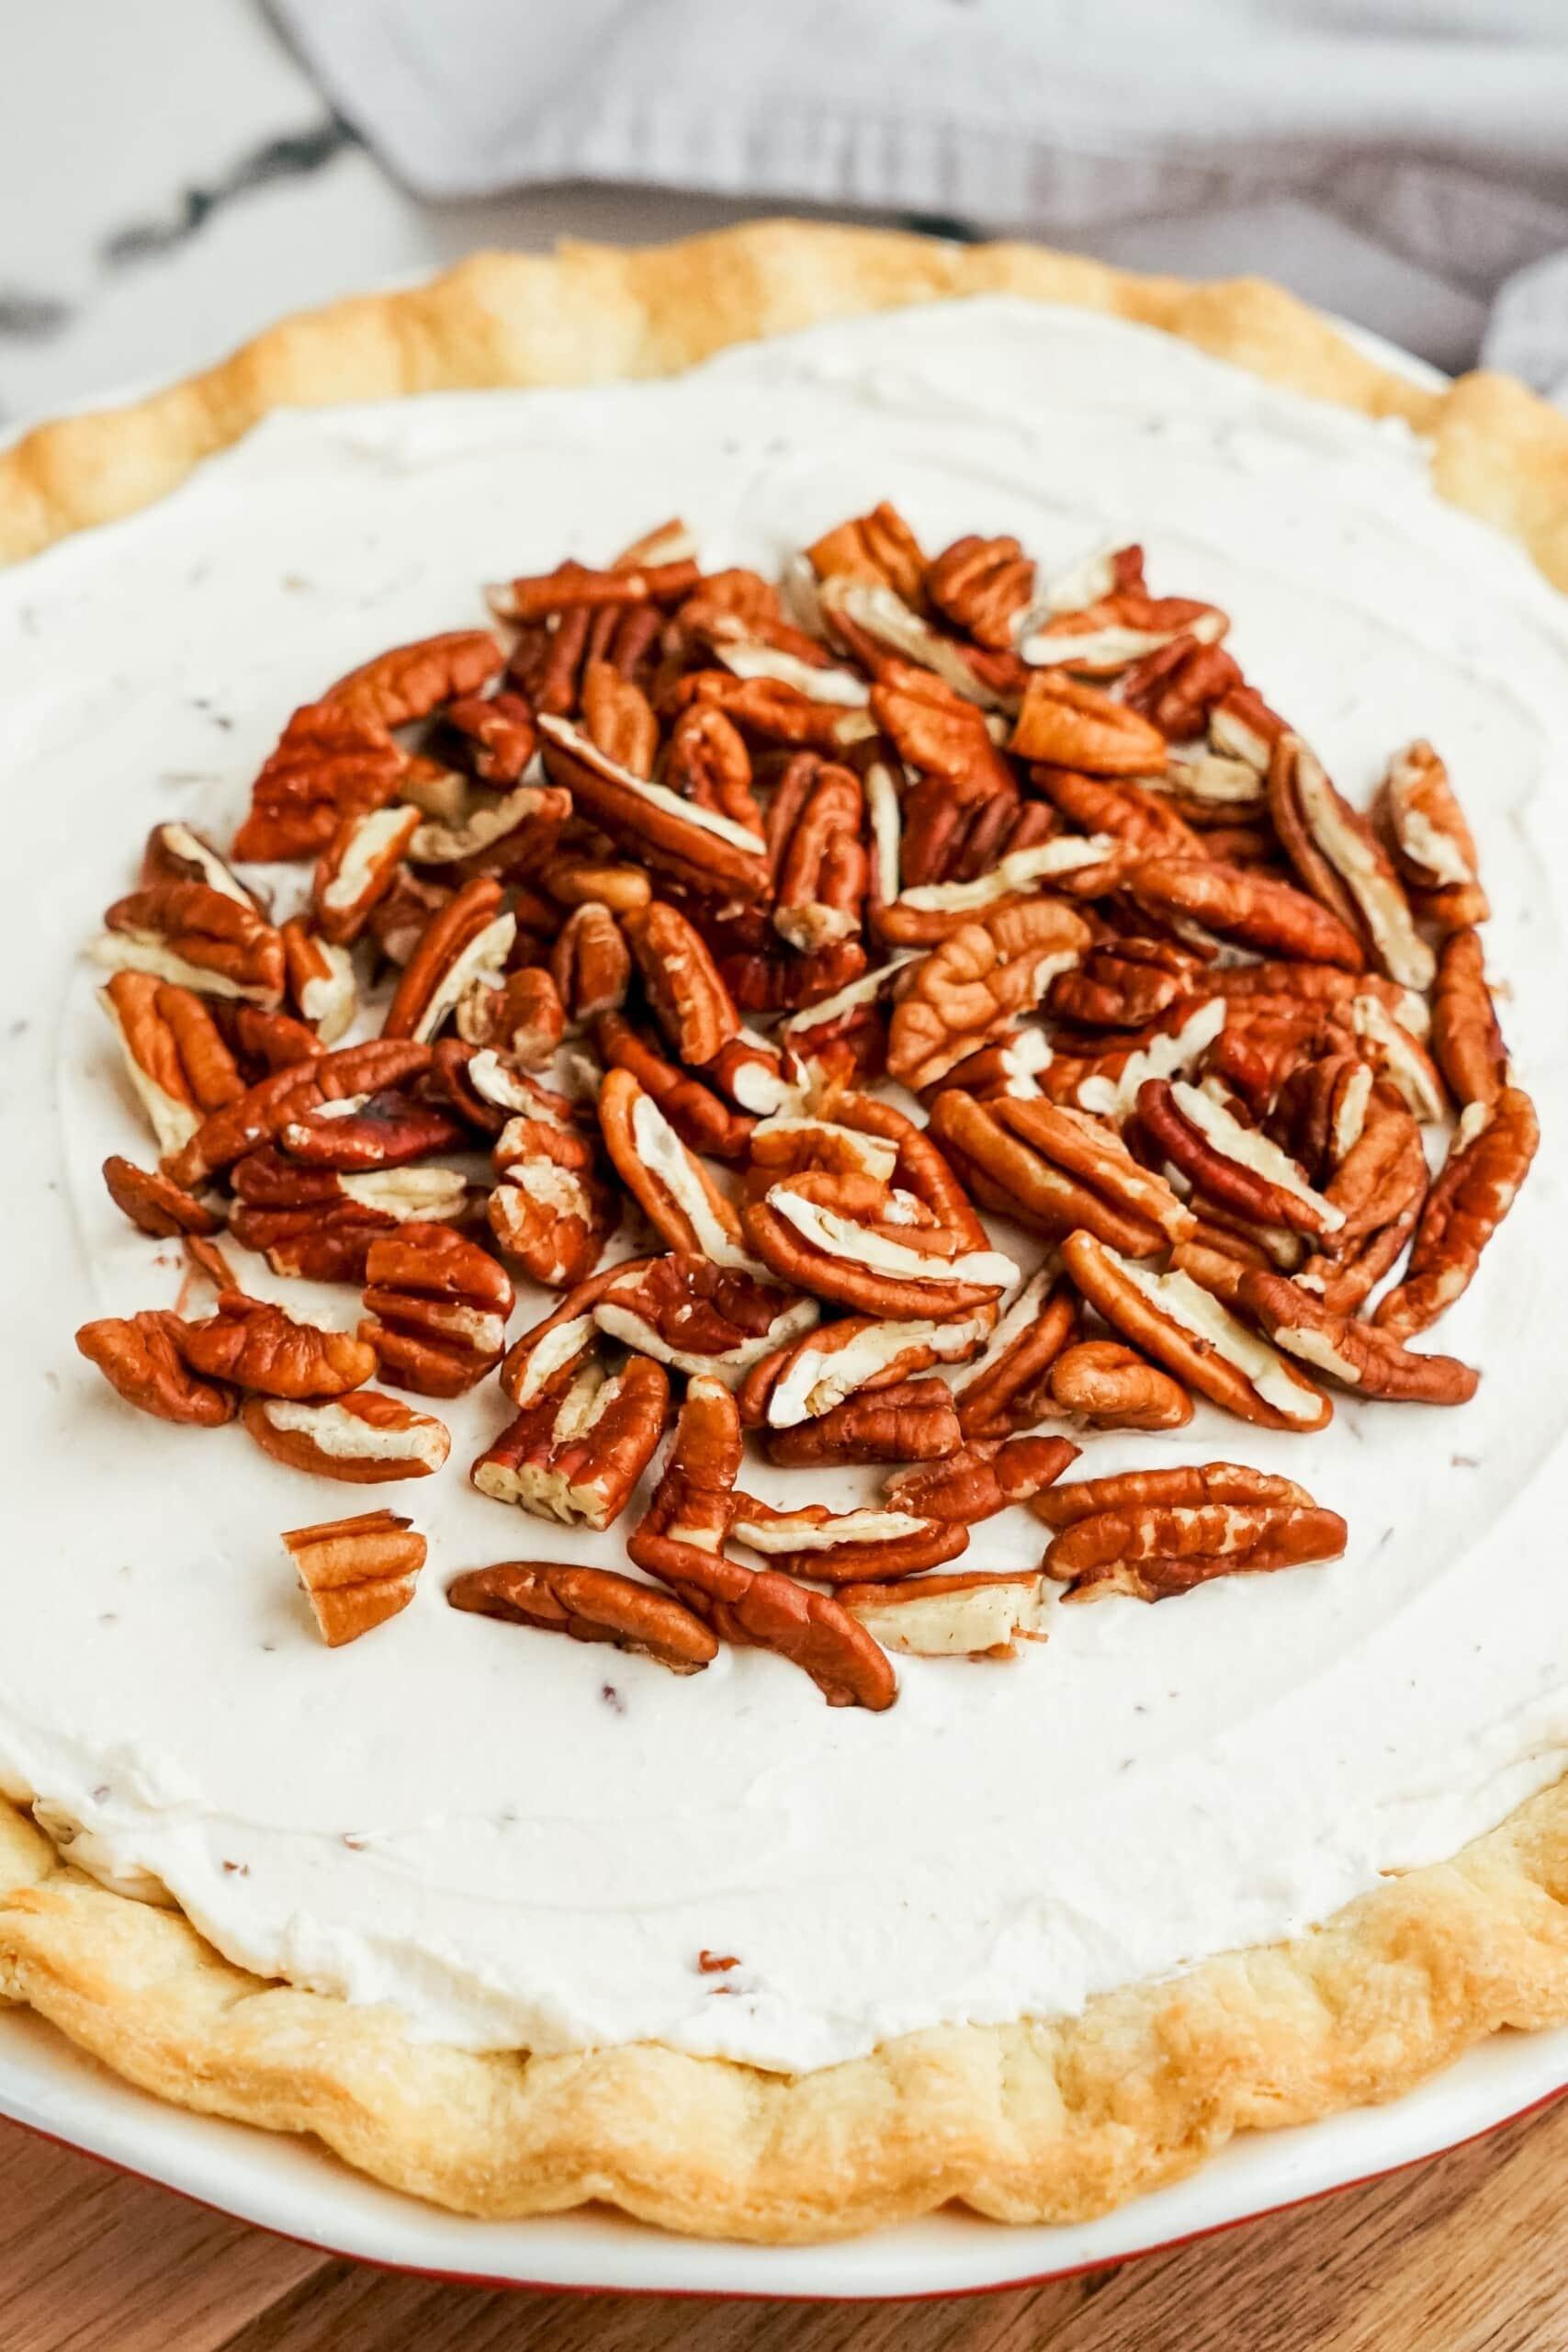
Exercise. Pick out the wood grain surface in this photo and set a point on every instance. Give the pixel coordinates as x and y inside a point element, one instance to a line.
<point>1462,2255</point>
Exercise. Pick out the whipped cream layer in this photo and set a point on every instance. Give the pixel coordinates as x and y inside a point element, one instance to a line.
<point>520,1841</point>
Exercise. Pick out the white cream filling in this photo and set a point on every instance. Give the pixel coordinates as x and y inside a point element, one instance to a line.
<point>545,1870</point>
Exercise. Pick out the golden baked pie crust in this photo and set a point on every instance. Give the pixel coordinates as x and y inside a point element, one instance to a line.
<point>1037,2122</point>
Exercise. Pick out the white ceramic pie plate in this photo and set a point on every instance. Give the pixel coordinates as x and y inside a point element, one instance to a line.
<point>288,2186</point>
<point>293,2188</point>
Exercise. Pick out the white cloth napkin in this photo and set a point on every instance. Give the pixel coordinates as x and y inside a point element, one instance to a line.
<point>1401,160</point>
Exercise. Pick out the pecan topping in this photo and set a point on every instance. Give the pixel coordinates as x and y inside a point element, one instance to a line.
<point>674,1190</point>
<point>327,766</point>
<point>698,1113</point>
<point>153,1204</point>
<point>708,852</point>
<point>467,940</point>
<point>589,963</point>
<point>260,1347</point>
<point>1054,1170</point>
<point>871,1545</point>
<point>973,1614</point>
<point>359,866</point>
<point>1169,1317</point>
<point>1353,1355</point>
<point>1249,908</point>
<point>1113,1388</point>
<point>973,988</point>
<point>982,585</point>
<point>578,1450</point>
<point>589,1605</point>
<point>912,1421</point>
<point>700,1317</point>
<point>1076,726</point>
<point>879,546</point>
<point>869,1246</point>
<point>1433,847</point>
<point>437,1305</point>
<point>356,1572</point>
<point>1488,1161</point>
<point>1467,1039</point>
<point>1004,1389</point>
<point>321,981</point>
<point>366,1439</point>
<point>819,865</point>
<point>1339,858</point>
<point>982,1478</point>
<point>202,938</point>
<point>1153,1533</point>
<point>175,1054</point>
<point>1238,1166</point>
<point>690,1002</point>
<point>144,1361</point>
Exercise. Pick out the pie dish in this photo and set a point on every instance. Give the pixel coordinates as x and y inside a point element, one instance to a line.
<point>1182,1872</point>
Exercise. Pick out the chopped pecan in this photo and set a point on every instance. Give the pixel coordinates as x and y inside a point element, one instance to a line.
<point>552,1351</point>
<point>985,1477</point>
<point>321,981</point>
<point>707,763</point>
<point>1076,725</point>
<point>144,1361</point>
<point>551,1210</point>
<point>437,1306</point>
<point>1169,1317</point>
<point>1341,860</point>
<point>977,1613</point>
<point>591,964</point>
<point>873,1545</point>
<point>855,1239</point>
<point>982,585</point>
<point>913,1422</point>
<point>691,1003</point>
<point>878,546</point>
<point>1488,1161</point>
<point>1355,1355</point>
<point>398,923</point>
<point>1054,1170</point>
<point>467,940</point>
<point>674,1190</point>
<point>701,1318</point>
<point>971,989</point>
<point>1467,1039</point>
<point>512,832</point>
<point>706,851</point>
<point>1239,1166</point>
<point>575,1454</point>
<point>366,1439</point>
<point>1113,1388</point>
<point>1004,1389</point>
<point>153,1204</point>
<point>359,867</point>
<point>356,1572</point>
<point>1236,903</point>
<point>811,1376</point>
<point>328,765</point>
<point>1433,847</point>
<point>262,1348</point>
<point>589,1605</point>
<point>174,1055</point>
<point>202,938</point>
<point>1149,1534</point>
<point>1126,630</point>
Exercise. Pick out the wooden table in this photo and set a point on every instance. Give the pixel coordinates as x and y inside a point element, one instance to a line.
<point>1469,2254</point>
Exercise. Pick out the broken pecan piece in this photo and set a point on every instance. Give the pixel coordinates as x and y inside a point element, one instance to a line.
<point>467,940</point>
<point>366,1439</point>
<point>1004,1390</point>
<point>1238,1166</point>
<point>359,866</point>
<point>589,1605</point>
<point>321,981</point>
<point>852,1238</point>
<point>1433,847</point>
<point>982,585</point>
<point>153,1204</point>
<point>589,963</point>
<point>698,1113</point>
<point>1343,864</point>
<point>1356,1355</point>
<point>1168,1316</point>
<point>972,1614</point>
<point>690,1002</point>
<point>262,1348</point>
<point>859,1352</point>
<point>408,681</point>
<point>1488,1161</point>
<point>577,1451</point>
<point>357,1573</point>
<point>878,546</point>
<point>982,1478</point>
<point>437,1306</point>
<point>674,1190</point>
<point>174,1055</point>
<point>819,864</point>
<point>142,1360</point>
<point>706,851</point>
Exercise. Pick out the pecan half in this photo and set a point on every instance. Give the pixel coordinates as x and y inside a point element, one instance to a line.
<point>674,1190</point>
<point>386,1129</point>
<point>153,1204</point>
<point>1151,1534</point>
<point>1113,1388</point>
<point>142,1360</point>
<point>1343,864</point>
<point>487,833</point>
<point>175,853</point>
<point>937,730</point>
<point>551,1351</point>
<point>199,937</point>
<point>618,718</point>
<point>589,963</point>
<point>912,1421</point>
<point>985,1477</point>
<point>588,1605</point>
<point>262,1348</point>
<point>497,732</point>
<point>321,981</point>
<point>1250,907</point>
<point>690,1002</point>
<point>327,766</point>
<point>366,1439</point>
<point>853,1239</point>
<point>973,1614</point>
<point>1488,1161</point>
<point>706,851</point>
<point>437,1306</point>
<point>408,681</point>
<point>982,585</point>
<point>971,989</point>
<point>549,1210</point>
<point>359,866</point>
<point>1076,725</point>
<point>1056,1169</point>
<point>532,597</point>
<point>819,863</point>
<point>1433,847</point>
<point>575,1454</point>
<point>467,940</point>
<point>869,1545</point>
<point>174,1055</point>
<point>1467,1039</point>
<point>523,1016</point>
<point>707,762</point>
<point>1125,811</point>
<point>1123,983</point>
<point>1355,1355</point>
<point>698,1113</point>
<point>1238,1166</point>
<point>808,1378</point>
<point>1004,1389</point>
<point>357,1573</point>
<point>701,1318</point>
<point>1169,1317</point>
<point>878,546</point>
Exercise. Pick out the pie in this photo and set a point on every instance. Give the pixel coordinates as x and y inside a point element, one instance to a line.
<point>957,1032</point>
